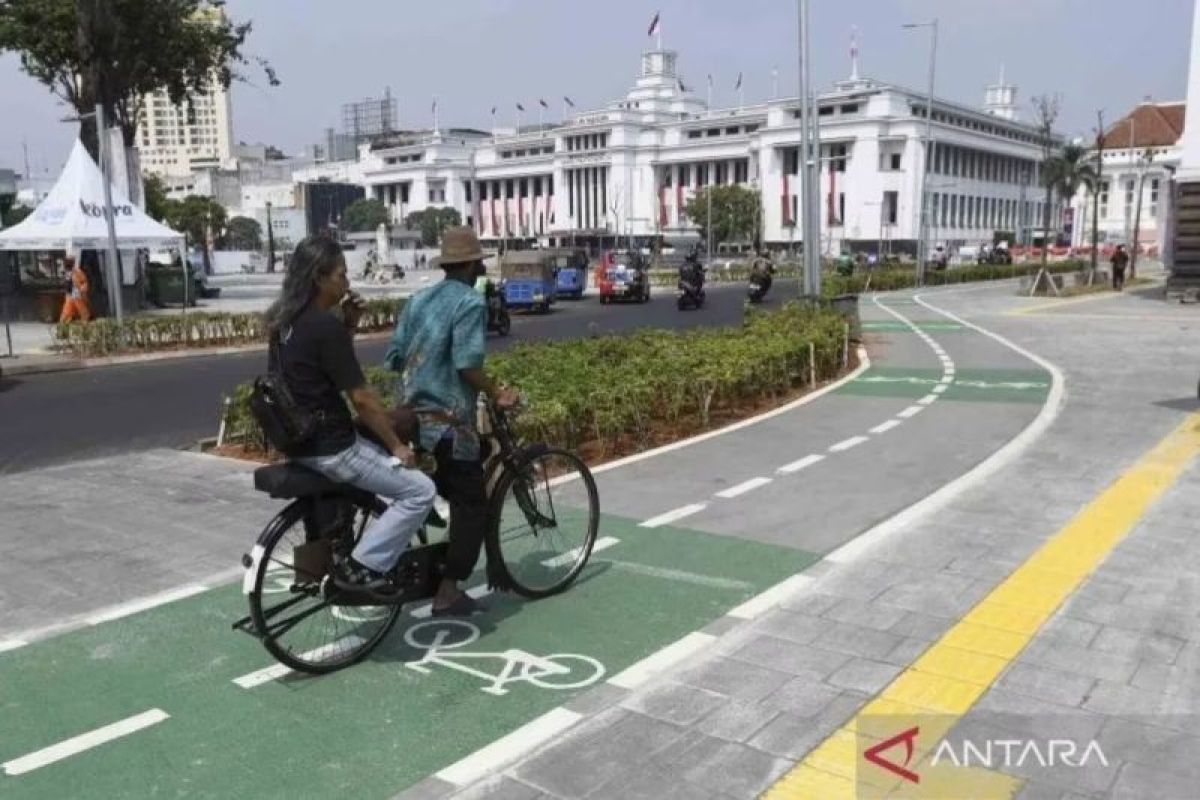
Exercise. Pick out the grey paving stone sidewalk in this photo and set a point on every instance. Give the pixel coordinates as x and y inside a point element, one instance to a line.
<point>1119,662</point>
<point>80,537</point>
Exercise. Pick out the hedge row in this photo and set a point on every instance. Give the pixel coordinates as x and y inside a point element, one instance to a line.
<point>629,389</point>
<point>104,336</point>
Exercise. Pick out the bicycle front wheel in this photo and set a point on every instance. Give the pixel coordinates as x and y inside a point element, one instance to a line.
<point>544,516</point>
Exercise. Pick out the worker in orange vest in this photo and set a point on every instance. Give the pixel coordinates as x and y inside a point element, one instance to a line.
<point>76,305</point>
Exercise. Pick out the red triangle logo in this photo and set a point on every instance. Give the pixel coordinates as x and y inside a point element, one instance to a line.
<point>909,738</point>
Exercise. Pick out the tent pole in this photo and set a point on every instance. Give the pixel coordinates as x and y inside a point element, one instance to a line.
<point>111,258</point>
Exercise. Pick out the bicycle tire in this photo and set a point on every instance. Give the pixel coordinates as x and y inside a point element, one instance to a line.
<point>509,576</point>
<point>288,519</point>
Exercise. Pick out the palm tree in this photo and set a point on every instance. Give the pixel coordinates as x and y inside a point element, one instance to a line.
<point>1069,169</point>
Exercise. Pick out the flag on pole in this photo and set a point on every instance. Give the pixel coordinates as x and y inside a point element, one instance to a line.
<point>433,108</point>
<point>493,111</point>
<point>567,100</point>
<point>653,25</point>
<point>543,104</point>
<point>739,81</point>
<point>710,80</point>
<point>682,88</point>
<point>520,107</point>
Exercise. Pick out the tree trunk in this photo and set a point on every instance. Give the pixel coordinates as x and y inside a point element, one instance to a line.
<point>1046,212</point>
<point>1137,227</point>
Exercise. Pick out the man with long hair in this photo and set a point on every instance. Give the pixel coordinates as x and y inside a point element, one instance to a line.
<point>438,349</point>
<point>314,350</point>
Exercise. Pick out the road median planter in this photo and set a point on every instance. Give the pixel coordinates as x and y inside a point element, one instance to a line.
<point>610,396</point>
<point>149,334</point>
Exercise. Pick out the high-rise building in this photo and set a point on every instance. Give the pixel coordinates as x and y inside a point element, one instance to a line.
<point>177,139</point>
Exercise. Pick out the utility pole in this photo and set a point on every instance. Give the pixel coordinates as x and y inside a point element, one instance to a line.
<point>812,264</point>
<point>270,241</point>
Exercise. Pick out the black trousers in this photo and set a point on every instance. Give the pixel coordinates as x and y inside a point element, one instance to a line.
<point>1118,276</point>
<point>461,483</point>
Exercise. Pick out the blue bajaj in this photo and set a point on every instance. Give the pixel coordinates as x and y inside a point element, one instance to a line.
<point>570,276</point>
<point>528,281</point>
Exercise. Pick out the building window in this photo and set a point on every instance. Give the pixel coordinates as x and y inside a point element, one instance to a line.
<point>891,207</point>
<point>734,131</point>
<point>711,132</point>
<point>1129,189</point>
<point>895,161</point>
<point>850,108</point>
<point>1154,199</point>
<point>695,134</point>
<point>824,111</point>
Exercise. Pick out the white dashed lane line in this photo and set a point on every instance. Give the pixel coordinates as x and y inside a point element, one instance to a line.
<point>948,373</point>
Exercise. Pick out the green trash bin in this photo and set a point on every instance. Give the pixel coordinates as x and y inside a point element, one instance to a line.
<point>167,286</point>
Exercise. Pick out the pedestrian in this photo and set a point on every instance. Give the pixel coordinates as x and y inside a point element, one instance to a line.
<point>438,349</point>
<point>76,305</point>
<point>1120,259</point>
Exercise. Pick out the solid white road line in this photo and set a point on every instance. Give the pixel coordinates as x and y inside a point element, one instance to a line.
<point>268,674</point>
<point>637,674</point>
<point>572,555</point>
<point>940,388</point>
<point>853,441</point>
<point>680,575</point>
<point>674,516</point>
<point>477,592</point>
<point>145,604</point>
<point>12,644</point>
<point>887,426</point>
<point>911,411</point>
<point>742,488</point>
<point>927,399</point>
<point>490,759</point>
<point>803,463</point>
<point>770,598</point>
<point>84,741</point>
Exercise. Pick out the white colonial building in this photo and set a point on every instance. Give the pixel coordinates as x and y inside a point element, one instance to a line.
<point>629,169</point>
<point>1141,154</point>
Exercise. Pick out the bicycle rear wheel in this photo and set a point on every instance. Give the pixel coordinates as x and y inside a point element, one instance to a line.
<point>543,522</point>
<point>303,620</point>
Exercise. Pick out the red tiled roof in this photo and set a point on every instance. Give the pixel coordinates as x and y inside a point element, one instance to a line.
<point>1148,125</point>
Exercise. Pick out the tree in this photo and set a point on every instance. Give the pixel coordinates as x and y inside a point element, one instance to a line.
<point>155,196</point>
<point>735,211</point>
<point>242,233</point>
<point>1069,169</point>
<point>1045,109</point>
<point>431,222</point>
<point>195,217</point>
<point>15,215</point>
<point>179,46</point>
<point>364,215</point>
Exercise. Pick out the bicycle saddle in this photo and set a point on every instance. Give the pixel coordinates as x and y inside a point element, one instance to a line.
<point>288,481</point>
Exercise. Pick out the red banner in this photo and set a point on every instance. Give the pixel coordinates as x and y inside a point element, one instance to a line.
<point>679,213</point>
<point>495,223</point>
<point>662,207</point>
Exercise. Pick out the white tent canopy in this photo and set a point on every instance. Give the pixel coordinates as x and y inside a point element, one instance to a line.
<point>72,216</point>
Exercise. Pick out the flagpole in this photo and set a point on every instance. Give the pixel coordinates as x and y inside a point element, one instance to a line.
<point>435,115</point>
<point>710,94</point>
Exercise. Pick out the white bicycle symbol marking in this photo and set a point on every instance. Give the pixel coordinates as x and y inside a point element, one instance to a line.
<point>440,638</point>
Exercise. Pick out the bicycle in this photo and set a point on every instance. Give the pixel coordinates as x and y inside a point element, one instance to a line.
<point>534,546</point>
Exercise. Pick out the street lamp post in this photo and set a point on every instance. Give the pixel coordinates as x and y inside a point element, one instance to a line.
<point>803,156</point>
<point>270,241</point>
<point>927,150</point>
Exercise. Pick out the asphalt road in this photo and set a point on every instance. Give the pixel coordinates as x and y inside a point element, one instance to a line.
<point>61,417</point>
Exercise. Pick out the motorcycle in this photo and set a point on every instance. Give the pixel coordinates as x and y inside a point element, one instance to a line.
<point>498,318</point>
<point>760,284</point>
<point>691,292</point>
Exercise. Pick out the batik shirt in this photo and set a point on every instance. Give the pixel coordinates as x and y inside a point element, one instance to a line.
<point>442,330</point>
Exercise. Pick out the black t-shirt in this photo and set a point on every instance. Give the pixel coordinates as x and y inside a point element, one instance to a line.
<point>318,363</point>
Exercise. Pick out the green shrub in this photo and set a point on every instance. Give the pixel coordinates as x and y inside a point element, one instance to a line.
<point>620,388</point>
<point>145,334</point>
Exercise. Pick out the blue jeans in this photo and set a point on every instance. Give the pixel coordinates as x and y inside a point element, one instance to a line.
<point>409,491</point>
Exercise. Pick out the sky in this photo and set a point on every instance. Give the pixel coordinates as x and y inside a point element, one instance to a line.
<point>475,54</point>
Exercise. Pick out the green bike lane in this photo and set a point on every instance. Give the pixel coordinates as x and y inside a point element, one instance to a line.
<point>370,730</point>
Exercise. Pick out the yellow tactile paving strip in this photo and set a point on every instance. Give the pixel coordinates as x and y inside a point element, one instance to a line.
<point>950,677</point>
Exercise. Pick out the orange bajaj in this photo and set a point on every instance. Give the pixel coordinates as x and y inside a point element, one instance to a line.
<point>623,276</point>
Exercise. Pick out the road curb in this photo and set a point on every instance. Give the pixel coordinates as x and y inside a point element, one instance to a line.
<point>68,364</point>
